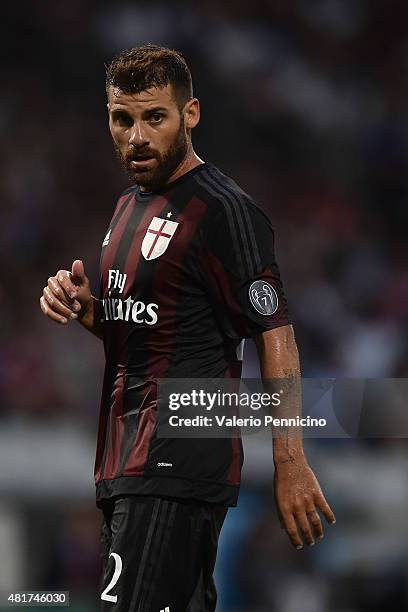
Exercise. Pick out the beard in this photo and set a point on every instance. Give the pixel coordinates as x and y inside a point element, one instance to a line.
<point>166,163</point>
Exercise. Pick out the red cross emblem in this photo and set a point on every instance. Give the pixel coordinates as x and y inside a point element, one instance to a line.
<point>157,237</point>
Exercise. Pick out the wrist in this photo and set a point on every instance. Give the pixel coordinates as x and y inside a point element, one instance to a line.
<point>87,311</point>
<point>285,457</point>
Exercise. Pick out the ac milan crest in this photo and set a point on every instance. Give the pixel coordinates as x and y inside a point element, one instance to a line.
<point>157,237</point>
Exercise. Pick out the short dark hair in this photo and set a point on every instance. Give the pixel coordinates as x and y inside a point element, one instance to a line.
<point>140,68</point>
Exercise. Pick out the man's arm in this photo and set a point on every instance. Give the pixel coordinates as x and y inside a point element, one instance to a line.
<point>297,491</point>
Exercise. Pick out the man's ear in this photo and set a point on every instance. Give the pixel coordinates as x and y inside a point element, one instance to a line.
<point>192,113</point>
<point>108,107</point>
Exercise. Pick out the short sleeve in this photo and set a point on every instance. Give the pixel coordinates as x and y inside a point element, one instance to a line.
<point>242,273</point>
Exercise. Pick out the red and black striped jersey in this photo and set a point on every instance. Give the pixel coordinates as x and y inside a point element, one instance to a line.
<point>186,274</point>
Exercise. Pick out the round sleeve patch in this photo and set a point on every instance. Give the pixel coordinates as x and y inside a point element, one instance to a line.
<point>263,297</point>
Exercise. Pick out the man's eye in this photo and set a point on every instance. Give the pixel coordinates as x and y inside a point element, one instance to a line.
<point>122,119</point>
<point>156,117</point>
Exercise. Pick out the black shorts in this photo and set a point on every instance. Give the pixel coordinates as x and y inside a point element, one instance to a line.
<point>158,555</point>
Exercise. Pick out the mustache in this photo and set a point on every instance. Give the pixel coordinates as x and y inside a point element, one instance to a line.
<point>135,154</point>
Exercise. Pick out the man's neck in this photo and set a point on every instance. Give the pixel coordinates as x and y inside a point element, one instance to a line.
<point>190,161</point>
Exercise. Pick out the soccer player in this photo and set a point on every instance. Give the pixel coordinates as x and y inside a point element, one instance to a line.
<point>187,272</point>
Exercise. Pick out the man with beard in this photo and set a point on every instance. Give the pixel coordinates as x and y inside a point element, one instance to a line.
<point>187,272</point>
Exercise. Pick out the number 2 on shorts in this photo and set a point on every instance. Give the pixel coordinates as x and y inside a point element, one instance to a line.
<point>115,578</point>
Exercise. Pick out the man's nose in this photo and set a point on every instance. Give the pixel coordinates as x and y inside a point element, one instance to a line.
<point>138,136</point>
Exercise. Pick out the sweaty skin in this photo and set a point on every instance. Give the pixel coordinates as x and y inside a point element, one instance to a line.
<point>297,491</point>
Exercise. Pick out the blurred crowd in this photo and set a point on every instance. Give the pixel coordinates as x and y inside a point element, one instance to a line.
<point>305,105</point>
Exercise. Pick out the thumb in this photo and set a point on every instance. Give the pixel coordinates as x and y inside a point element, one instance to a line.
<point>78,272</point>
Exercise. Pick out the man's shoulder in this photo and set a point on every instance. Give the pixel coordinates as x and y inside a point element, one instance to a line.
<point>216,186</point>
<point>225,198</point>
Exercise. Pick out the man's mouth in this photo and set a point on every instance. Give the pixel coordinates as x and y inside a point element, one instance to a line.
<point>138,161</point>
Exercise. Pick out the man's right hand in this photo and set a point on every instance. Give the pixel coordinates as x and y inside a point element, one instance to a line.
<point>67,295</point>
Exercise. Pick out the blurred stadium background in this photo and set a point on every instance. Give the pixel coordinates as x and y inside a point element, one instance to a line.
<point>304,102</point>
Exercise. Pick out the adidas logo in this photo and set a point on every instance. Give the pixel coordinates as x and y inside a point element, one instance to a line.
<point>106,239</point>
<point>166,609</point>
